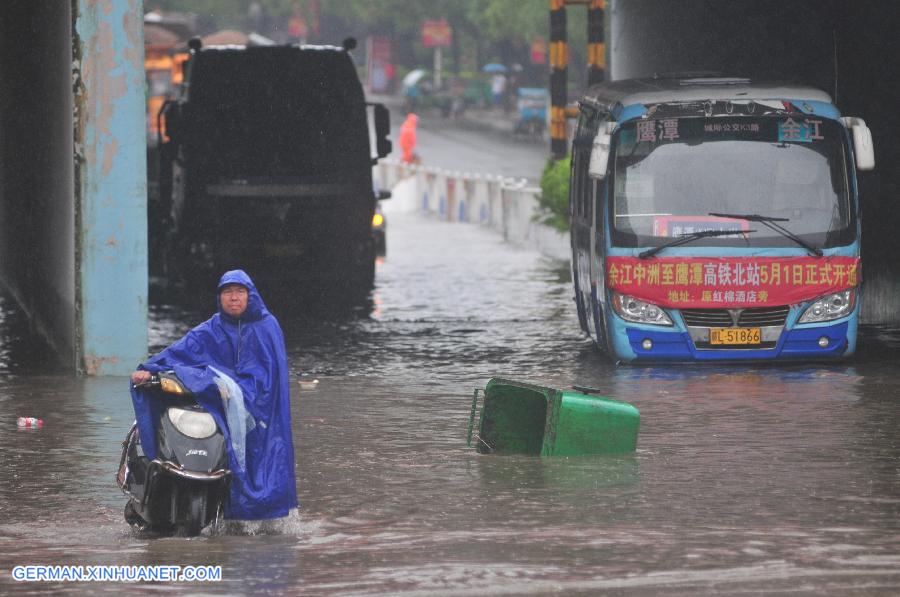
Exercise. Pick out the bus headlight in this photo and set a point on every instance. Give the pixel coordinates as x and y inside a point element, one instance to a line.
<point>832,306</point>
<point>638,311</point>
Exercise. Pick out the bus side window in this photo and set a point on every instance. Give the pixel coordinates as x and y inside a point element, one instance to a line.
<point>599,205</point>
<point>581,156</point>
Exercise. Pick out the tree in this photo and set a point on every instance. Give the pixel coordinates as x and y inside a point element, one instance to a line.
<point>484,30</point>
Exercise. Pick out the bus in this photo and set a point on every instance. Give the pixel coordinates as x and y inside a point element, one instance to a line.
<point>716,219</point>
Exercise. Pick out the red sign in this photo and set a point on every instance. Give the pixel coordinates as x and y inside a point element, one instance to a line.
<point>380,70</point>
<point>436,34</point>
<point>730,282</point>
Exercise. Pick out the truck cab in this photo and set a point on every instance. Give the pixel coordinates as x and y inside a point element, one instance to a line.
<point>271,168</point>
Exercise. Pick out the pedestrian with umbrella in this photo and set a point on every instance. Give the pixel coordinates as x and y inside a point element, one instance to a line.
<point>498,81</point>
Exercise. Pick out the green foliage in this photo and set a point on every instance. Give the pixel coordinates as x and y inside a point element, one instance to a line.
<point>510,20</point>
<point>553,202</point>
<point>483,30</point>
<point>486,22</point>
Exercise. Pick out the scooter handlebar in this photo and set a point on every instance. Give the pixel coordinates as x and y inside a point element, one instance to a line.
<point>152,381</point>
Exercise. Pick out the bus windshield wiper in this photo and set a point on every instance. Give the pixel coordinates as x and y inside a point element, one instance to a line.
<point>772,223</point>
<point>690,237</point>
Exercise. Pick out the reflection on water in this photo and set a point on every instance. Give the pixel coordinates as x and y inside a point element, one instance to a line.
<point>765,479</point>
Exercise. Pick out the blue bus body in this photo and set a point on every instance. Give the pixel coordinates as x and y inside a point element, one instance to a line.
<point>716,220</point>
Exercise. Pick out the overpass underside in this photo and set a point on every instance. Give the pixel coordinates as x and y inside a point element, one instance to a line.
<point>73,178</point>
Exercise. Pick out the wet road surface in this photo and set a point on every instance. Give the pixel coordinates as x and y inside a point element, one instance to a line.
<point>775,480</point>
<point>481,143</point>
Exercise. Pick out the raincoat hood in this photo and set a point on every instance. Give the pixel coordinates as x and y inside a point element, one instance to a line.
<point>256,308</point>
<point>250,352</point>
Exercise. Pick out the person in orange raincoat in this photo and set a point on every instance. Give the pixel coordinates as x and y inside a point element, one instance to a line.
<point>408,138</point>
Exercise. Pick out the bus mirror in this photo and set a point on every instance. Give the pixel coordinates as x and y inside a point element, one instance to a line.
<point>600,151</point>
<point>863,148</point>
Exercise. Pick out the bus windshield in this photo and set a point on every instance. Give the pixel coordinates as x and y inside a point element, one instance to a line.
<point>669,175</point>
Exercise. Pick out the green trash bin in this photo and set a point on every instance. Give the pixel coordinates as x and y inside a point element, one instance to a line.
<point>521,418</point>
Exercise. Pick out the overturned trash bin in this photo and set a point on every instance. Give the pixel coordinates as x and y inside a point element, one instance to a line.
<point>521,418</point>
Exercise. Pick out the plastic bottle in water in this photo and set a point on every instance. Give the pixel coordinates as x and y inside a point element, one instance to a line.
<point>30,423</point>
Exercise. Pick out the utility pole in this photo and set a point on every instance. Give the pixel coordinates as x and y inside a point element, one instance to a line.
<point>559,62</point>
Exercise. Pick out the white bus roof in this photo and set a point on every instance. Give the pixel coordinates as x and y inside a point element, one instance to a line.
<point>676,90</point>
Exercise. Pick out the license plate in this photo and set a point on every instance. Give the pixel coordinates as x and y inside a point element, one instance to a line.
<point>735,336</point>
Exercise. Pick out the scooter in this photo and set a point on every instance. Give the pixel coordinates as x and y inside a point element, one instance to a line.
<point>185,488</point>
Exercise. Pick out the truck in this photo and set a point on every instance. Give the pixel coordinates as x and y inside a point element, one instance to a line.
<point>717,219</point>
<point>266,165</point>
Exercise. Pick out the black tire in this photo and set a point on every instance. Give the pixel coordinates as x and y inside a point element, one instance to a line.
<point>380,245</point>
<point>364,267</point>
<point>196,507</point>
<point>582,312</point>
<point>132,518</point>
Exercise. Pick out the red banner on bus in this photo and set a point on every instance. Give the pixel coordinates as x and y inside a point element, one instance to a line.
<point>730,282</point>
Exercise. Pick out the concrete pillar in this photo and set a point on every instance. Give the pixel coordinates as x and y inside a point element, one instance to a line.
<point>37,214</point>
<point>111,187</point>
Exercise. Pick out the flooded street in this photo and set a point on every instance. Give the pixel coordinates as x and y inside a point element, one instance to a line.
<point>746,479</point>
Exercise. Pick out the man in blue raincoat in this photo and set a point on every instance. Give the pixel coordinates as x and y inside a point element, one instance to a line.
<point>241,344</point>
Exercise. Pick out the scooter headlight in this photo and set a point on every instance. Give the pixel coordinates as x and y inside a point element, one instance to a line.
<point>638,311</point>
<point>197,425</point>
<point>832,306</point>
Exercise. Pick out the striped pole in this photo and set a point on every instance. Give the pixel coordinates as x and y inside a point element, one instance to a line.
<point>596,47</point>
<point>559,60</point>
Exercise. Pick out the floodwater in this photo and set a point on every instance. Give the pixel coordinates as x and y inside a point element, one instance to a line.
<point>747,479</point>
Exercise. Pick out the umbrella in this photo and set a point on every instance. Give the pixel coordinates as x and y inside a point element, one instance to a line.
<point>413,77</point>
<point>493,67</point>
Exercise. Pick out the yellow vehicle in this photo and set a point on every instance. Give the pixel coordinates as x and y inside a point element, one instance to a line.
<point>164,71</point>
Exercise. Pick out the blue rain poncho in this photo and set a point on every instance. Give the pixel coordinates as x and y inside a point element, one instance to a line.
<point>238,371</point>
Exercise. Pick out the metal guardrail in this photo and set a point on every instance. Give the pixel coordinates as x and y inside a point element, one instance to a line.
<point>508,205</point>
